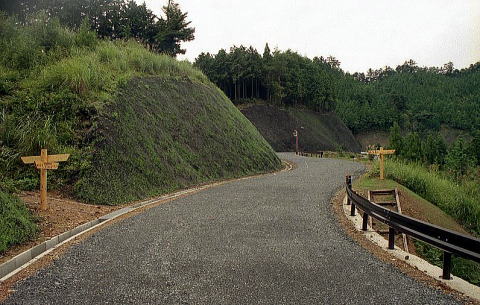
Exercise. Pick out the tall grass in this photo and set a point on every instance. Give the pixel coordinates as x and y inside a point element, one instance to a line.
<point>54,80</point>
<point>458,200</point>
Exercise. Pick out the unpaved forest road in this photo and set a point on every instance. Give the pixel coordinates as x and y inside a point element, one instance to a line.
<point>266,240</point>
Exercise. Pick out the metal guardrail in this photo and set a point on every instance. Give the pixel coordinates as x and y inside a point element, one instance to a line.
<point>318,154</point>
<point>449,241</point>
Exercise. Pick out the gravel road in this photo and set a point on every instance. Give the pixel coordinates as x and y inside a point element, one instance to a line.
<point>266,240</point>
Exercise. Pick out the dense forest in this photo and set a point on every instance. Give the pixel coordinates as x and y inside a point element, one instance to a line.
<point>418,98</point>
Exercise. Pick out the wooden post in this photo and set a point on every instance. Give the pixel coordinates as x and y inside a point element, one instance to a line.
<point>381,155</point>
<point>45,162</point>
<point>382,166</point>
<point>43,181</point>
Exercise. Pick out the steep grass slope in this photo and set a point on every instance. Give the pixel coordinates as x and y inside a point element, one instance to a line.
<point>316,131</point>
<point>135,123</point>
<point>160,135</point>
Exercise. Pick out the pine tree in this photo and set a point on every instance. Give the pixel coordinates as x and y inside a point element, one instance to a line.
<point>173,30</point>
<point>395,138</point>
<point>459,159</point>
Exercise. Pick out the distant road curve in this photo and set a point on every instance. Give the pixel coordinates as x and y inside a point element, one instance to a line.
<point>266,240</point>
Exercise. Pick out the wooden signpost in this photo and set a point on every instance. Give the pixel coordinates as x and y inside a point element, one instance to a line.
<point>45,162</point>
<point>381,153</point>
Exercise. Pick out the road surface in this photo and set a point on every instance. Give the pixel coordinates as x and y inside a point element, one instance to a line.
<point>265,240</point>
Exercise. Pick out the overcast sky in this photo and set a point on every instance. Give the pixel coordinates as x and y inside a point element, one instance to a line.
<point>362,34</point>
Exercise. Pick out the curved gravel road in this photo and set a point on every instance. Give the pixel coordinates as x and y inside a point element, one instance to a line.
<point>266,240</point>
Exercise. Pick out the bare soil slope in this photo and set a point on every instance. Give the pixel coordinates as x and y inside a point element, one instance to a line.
<point>316,131</point>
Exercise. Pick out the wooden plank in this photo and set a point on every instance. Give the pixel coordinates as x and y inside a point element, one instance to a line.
<point>58,158</point>
<point>370,219</point>
<point>41,165</point>
<point>399,208</point>
<point>30,159</point>
<point>382,152</point>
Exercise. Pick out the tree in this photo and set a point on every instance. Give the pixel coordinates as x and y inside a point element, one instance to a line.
<point>434,149</point>
<point>459,159</point>
<point>173,30</point>
<point>412,147</point>
<point>395,138</point>
<point>475,146</point>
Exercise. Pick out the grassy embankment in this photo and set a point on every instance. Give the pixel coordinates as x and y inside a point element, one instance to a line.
<point>136,124</point>
<point>438,201</point>
<point>16,223</point>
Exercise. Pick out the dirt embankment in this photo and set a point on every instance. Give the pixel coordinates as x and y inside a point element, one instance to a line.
<point>316,131</point>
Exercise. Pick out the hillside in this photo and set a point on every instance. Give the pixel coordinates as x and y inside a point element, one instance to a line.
<point>136,123</point>
<point>418,98</point>
<point>316,131</point>
<point>160,135</point>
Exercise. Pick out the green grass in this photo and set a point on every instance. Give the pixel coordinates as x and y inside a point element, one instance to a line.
<point>464,268</point>
<point>160,136</point>
<point>430,212</point>
<point>16,223</point>
<point>136,123</point>
<point>459,201</point>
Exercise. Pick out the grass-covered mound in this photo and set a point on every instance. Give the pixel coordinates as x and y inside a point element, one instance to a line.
<point>161,135</point>
<point>316,131</point>
<point>16,223</point>
<point>135,123</point>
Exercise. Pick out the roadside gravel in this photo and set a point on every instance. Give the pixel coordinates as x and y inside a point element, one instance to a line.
<point>266,240</point>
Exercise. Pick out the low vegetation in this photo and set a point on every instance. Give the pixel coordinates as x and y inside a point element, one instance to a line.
<point>427,211</point>
<point>16,223</point>
<point>458,200</point>
<point>136,123</point>
<point>464,268</point>
<point>163,135</point>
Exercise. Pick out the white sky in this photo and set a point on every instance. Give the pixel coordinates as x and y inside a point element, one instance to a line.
<point>362,34</point>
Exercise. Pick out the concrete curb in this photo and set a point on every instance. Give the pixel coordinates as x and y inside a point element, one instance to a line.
<point>435,272</point>
<point>26,258</point>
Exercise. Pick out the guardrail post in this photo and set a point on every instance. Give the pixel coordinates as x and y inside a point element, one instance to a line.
<point>348,182</point>
<point>365,221</point>
<point>349,185</point>
<point>447,265</point>
<point>391,238</point>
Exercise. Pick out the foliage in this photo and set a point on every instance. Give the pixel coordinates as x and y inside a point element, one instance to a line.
<point>417,98</point>
<point>434,149</point>
<point>16,223</point>
<point>459,159</point>
<point>113,19</point>
<point>458,200</point>
<point>57,98</point>
<point>395,139</point>
<point>278,77</point>
<point>464,268</point>
<point>172,30</point>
